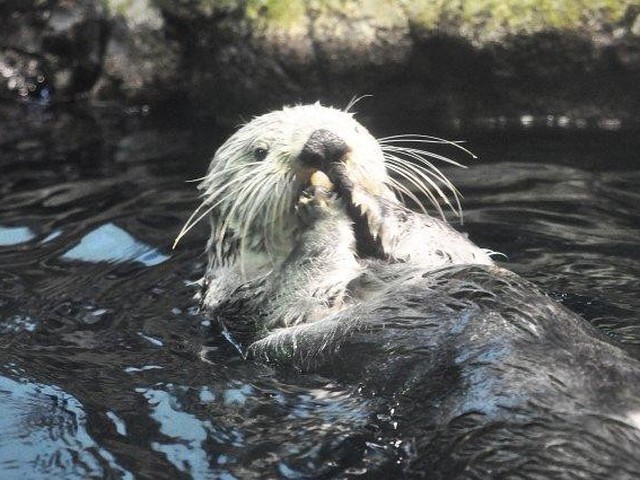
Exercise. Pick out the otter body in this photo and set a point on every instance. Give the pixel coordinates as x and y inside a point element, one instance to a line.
<point>489,376</point>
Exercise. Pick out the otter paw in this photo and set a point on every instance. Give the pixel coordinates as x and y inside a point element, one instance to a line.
<point>316,203</point>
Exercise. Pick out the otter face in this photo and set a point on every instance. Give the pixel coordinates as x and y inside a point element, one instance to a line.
<point>258,175</point>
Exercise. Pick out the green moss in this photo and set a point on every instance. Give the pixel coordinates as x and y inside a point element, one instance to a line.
<point>472,18</point>
<point>117,7</point>
<point>276,12</point>
<point>513,15</point>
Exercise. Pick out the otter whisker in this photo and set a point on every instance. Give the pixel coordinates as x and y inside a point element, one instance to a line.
<point>187,226</point>
<point>211,178</point>
<point>190,223</point>
<point>284,202</point>
<point>193,180</point>
<point>421,155</point>
<point>251,180</point>
<point>355,99</point>
<point>424,175</point>
<point>264,199</point>
<point>418,138</point>
<point>275,207</point>
<point>275,212</point>
<point>399,169</point>
<point>257,177</point>
<point>431,170</point>
<point>402,191</point>
<point>258,199</point>
<point>210,193</point>
<point>403,154</point>
<point>214,191</point>
<point>426,169</point>
<point>210,196</point>
<point>267,227</point>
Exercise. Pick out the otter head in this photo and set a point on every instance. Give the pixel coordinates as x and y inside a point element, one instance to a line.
<point>257,176</point>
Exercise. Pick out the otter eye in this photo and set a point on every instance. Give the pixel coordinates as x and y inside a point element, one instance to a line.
<point>260,153</point>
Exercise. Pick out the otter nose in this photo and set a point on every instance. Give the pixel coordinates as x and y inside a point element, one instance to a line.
<point>322,148</point>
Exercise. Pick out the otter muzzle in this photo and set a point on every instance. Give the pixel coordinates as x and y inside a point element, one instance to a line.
<point>326,153</point>
<point>322,149</point>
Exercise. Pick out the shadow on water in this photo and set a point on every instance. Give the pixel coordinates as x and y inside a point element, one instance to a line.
<point>102,365</point>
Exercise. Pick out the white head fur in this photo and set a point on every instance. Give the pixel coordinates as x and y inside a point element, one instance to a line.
<point>255,180</point>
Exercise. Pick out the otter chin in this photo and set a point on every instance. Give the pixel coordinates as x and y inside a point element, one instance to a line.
<point>316,262</point>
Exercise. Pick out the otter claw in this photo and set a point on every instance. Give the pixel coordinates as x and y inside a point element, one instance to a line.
<point>316,202</point>
<point>316,191</point>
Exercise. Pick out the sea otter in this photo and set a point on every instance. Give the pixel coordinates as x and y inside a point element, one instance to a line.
<point>315,262</point>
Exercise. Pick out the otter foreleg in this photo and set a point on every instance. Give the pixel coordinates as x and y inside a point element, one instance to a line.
<point>312,281</point>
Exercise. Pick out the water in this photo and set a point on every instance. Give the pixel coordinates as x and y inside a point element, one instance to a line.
<point>102,371</point>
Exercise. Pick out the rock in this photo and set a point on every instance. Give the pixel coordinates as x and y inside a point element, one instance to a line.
<point>547,57</point>
<point>252,56</point>
<point>141,63</point>
<point>423,60</point>
<point>50,46</point>
<point>419,59</point>
<point>23,76</point>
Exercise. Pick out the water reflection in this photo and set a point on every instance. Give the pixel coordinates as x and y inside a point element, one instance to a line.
<point>109,243</point>
<point>186,435</point>
<point>44,435</point>
<point>15,235</point>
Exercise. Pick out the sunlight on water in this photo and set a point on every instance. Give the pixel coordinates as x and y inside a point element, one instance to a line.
<point>109,243</point>
<point>15,235</point>
<point>44,430</point>
<point>188,434</point>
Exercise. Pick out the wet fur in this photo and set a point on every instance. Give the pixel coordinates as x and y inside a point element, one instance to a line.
<point>488,377</point>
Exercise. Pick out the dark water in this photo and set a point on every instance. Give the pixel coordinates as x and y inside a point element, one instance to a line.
<point>107,369</point>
